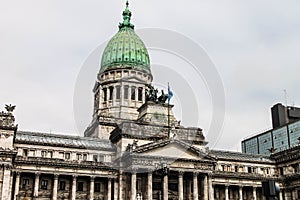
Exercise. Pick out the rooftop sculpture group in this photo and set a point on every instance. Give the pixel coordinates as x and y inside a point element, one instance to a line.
<point>151,95</point>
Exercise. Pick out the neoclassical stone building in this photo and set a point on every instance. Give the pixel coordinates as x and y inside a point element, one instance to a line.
<point>134,148</point>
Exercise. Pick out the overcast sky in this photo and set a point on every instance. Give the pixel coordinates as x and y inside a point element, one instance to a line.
<point>255,46</point>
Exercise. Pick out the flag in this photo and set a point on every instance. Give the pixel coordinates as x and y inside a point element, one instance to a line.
<point>170,93</point>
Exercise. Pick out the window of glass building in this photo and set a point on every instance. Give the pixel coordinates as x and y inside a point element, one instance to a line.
<point>280,139</point>
<point>294,133</point>
<point>265,143</point>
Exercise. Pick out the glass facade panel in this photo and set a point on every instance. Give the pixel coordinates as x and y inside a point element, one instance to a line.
<point>280,139</point>
<point>294,132</point>
<point>251,146</point>
<point>265,143</point>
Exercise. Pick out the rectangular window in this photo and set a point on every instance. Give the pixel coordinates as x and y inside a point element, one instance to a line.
<point>126,88</point>
<point>25,152</point>
<point>133,93</point>
<point>62,185</point>
<point>79,156</point>
<point>67,156</point>
<point>97,187</point>
<point>95,158</point>
<point>51,154</point>
<point>101,158</point>
<point>44,184</point>
<point>140,94</point>
<point>80,186</point>
<point>105,94</point>
<point>118,94</point>
<point>32,153</point>
<point>111,93</point>
<point>44,154</point>
<point>84,157</point>
<point>25,183</point>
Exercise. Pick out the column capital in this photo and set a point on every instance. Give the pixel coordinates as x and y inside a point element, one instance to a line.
<point>74,176</point>
<point>180,172</point>
<point>37,174</point>
<point>18,173</point>
<point>195,174</point>
<point>92,178</point>
<point>56,176</point>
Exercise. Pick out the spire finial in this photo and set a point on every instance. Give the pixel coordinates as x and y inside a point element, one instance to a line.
<point>126,18</point>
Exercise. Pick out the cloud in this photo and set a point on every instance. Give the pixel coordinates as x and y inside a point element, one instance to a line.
<point>254,45</point>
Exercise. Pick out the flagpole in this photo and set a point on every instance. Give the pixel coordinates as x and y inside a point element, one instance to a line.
<point>169,110</point>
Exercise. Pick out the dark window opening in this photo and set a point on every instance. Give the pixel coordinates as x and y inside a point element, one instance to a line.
<point>118,95</point>
<point>80,186</point>
<point>249,170</point>
<point>25,183</point>
<point>85,157</point>
<point>140,94</point>
<point>111,90</point>
<point>44,184</point>
<point>126,92</point>
<point>25,152</point>
<point>105,94</point>
<point>133,93</point>
<point>95,158</point>
<point>62,185</point>
<point>67,156</point>
<point>97,187</point>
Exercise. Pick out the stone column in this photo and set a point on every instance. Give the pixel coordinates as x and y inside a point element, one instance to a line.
<point>133,186</point>
<point>205,188</point>
<point>149,188</point>
<point>280,195</point>
<point>55,185</point>
<point>195,185</point>
<point>210,188</point>
<point>165,188</point>
<point>115,189</point>
<point>180,185</point>
<point>92,187</point>
<point>73,193</point>
<point>6,182</point>
<point>241,193</point>
<point>120,186</point>
<point>109,189</point>
<point>226,192</point>
<point>17,185</point>
<point>36,185</point>
<point>254,193</point>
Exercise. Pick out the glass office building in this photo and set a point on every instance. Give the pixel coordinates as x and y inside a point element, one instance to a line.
<point>274,140</point>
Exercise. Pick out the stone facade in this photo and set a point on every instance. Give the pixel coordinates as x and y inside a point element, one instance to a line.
<point>134,149</point>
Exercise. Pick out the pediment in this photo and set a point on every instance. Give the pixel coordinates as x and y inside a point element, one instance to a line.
<point>173,149</point>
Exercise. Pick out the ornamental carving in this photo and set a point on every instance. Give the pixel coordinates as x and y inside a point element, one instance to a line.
<point>203,167</point>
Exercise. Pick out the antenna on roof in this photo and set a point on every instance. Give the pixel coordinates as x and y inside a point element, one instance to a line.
<point>285,97</point>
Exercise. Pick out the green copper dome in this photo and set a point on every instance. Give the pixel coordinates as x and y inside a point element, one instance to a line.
<point>125,49</point>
